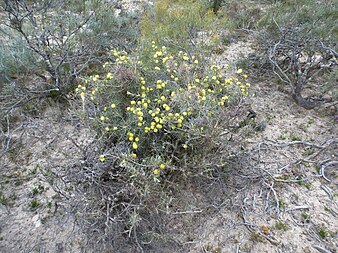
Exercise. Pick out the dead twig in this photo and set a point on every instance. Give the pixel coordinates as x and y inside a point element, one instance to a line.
<point>324,166</point>
<point>297,208</point>
<point>321,249</point>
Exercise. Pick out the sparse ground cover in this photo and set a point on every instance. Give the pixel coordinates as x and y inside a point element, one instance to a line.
<point>71,183</point>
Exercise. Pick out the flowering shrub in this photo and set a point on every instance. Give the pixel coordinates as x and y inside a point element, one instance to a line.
<point>164,112</point>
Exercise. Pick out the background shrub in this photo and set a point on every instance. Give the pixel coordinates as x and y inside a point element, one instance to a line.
<point>66,44</point>
<point>16,60</point>
<point>183,25</point>
<point>299,41</point>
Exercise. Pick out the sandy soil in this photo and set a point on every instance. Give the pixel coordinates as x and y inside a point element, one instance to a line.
<point>275,199</point>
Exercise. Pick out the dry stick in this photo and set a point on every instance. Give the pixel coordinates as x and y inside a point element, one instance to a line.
<point>107,217</point>
<point>188,212</point>
<point>323,167</point>
<point>285,144</point>
<point>327,191</point>
<point>275,195</point>
<point>321,147</point>
<point>297,208</point>
<point>321,249</point>
<point>136,240</point>
<point>249,226</point>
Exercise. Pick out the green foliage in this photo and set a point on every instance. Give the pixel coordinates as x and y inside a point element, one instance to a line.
<point>16,60</point>
<point>279,225</point>
<point>3,199</point>
<point>315,18</point>
<point>34,204</point>
<point>282,205</point>
<point>181,24</point>
<point>330,80</point>
<point>7,200</point>
<point>305,216</point>
<point>323,233</point>
<point>242,14</point>
<point>37,189</point>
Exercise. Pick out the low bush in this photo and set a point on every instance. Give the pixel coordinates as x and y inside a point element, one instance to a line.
<point>163,109</point>
<point>158,119</point>
<point>299,41</point>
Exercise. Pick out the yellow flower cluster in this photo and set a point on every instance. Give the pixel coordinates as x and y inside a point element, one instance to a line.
<point>81,89</point>
<point>133,139</point>
<point>162,102</point>
<point>121,57</point>
<point>157,171</point>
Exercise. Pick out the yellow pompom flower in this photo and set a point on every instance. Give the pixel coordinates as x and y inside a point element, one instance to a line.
<point>135,146</point>
<point>162,166</point>
<point>113,106</point>
<point>109,76</point>
<point>156,172</point>
<point>239,71</point>
<point>102,158</point>
<point>96,77</point>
